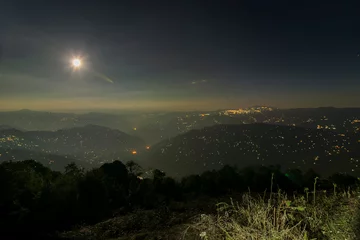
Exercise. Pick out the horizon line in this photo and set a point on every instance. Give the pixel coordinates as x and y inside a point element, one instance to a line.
<point>119,110</point>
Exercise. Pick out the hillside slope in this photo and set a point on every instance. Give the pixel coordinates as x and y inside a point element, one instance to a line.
<point>256,144</point>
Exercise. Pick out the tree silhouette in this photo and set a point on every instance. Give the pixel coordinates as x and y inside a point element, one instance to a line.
<point>73,170</point>
<point>133,168</point>
<point>92,197</point>
<point>115,177</point>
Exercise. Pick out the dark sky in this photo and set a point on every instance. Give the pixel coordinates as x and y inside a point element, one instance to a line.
<point>178,55</point>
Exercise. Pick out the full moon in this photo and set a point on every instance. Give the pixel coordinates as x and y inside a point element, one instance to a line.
<point>76,63</point>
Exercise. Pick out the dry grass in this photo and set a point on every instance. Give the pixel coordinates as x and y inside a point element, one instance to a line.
<point>280,217</point>
<point>310,216</point>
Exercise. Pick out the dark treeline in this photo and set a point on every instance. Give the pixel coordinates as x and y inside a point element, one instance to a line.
<point>35,199</point>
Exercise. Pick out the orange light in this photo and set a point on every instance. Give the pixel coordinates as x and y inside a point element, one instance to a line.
<point>134,152</point>
<point>147,147</point>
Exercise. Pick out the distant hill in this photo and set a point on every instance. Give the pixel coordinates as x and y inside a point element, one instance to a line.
<point>256,144</point>
<point>4,127</point>
<point>163,128</point>
<point>54,162</point>
<point>49,121</point>
<point>89,143</point>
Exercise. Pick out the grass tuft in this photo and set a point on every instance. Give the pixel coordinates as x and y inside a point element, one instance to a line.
<point>279,217</point>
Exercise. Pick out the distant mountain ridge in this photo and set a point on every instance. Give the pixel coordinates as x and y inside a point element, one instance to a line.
<point>4,127</point>
<point>49,121</point>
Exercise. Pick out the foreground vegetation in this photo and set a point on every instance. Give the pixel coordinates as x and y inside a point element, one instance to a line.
<point>250,218</point>
<point>118,201</point>
<point>280,217</point>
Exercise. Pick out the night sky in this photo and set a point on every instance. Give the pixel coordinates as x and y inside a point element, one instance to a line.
<point>178,55</point>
